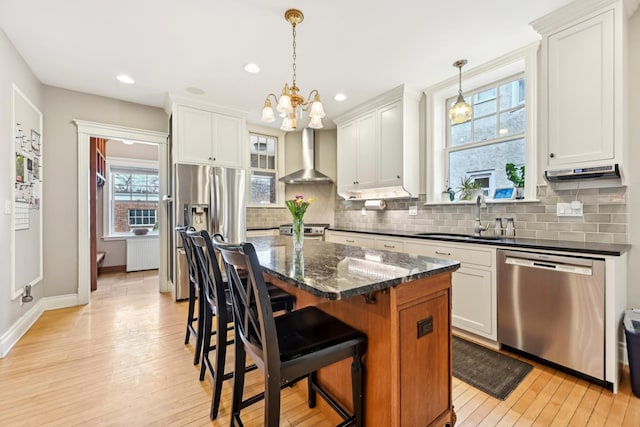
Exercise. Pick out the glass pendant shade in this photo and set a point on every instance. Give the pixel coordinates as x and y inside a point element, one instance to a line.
<point>460,112</point>
<point>316,123</point>
<point>268,115</point>
<point>286,124</point>
<point>317,110</point>
<point>284,104</point>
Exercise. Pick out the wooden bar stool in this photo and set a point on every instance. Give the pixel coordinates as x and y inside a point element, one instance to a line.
<point>286,348</point>
<point>218,305</point>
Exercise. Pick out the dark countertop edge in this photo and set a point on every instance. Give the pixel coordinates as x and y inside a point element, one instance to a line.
<point>364,289</point>
<point>273,227</point>
<point>611,249</point>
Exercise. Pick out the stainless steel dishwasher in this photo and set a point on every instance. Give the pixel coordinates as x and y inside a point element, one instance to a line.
<point>553,307</point>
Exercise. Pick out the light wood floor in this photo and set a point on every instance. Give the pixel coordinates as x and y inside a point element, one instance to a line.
<point>121,361</point>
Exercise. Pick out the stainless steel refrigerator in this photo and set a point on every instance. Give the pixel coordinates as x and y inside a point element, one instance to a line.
<point>206,198</point>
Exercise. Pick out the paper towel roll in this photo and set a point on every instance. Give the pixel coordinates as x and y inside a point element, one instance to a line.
<point>375,204</point>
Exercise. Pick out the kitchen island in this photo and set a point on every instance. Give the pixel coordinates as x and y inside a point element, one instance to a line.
<point>402,302</point>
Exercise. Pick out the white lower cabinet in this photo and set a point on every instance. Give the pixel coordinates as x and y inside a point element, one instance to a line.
<point>260,233</point>
<point>352,239</point>
<point>474,284</point>
<point>387,244</point>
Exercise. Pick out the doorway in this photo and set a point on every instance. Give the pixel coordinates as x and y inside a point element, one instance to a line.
<point>86,130</point>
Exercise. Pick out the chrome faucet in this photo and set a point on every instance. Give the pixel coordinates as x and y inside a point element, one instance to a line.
<point>478,227</point>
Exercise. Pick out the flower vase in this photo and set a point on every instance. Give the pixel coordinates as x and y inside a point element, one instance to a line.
<point>298,233</point>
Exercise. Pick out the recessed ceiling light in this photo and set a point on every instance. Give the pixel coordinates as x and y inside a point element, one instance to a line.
<point>251,68</point>
<point>195,90</point>
<point>123,78</point>
<point>340,97</point>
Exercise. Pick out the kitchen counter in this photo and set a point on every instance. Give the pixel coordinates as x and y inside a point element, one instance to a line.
<point>401,302</point>
<point>609,249</point>
<point>334,271</point>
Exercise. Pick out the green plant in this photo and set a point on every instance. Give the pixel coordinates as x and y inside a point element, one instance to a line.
<point>468,186</point>
<point>515,174</point>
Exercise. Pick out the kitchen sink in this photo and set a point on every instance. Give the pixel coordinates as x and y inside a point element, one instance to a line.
<point>457,236</point>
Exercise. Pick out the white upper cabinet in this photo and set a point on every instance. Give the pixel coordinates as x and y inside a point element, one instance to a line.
<point>205,137</point>
<point>582,84</point>
<point>378,148</point>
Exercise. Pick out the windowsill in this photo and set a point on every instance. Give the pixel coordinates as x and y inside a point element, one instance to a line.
<point>487,201</point>
<point>115,237</point>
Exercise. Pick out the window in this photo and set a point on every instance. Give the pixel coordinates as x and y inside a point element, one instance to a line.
<point>132,197</point>
<point>263,169</point>
<point>494,136</point>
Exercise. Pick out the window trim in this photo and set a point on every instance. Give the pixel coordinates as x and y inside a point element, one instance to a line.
<point>121,162</point>
<point>522,61</point>
<point>280,156</point>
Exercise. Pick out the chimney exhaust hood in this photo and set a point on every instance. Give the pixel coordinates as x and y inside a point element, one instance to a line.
<point>599,172</point>
<point>308,174</point>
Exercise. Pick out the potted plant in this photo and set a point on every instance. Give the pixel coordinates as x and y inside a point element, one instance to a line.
<point>468,188</point>
<point>516,176</point>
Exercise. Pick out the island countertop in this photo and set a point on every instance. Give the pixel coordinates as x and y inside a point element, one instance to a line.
<point>334,271</point>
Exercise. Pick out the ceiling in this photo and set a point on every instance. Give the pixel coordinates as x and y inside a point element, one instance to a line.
<point>346,46</point>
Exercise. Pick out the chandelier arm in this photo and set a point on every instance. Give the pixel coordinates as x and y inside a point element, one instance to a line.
<point>275,98</point>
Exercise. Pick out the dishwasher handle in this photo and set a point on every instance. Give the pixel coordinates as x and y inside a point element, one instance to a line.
<point>548,265</point>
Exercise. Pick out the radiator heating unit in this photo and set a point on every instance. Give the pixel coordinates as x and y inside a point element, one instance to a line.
<point>143,254</point>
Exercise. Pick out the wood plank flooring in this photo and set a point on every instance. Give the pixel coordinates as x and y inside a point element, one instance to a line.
<point>121,361</point>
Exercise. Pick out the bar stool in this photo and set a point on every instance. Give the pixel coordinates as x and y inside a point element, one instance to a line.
<point>194,295</point>
<point>218,305</point>
<point>286,348</point>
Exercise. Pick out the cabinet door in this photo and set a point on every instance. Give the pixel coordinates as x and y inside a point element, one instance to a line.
<point>194,136</point>
<point>581,92</point>
<point>390,140</point>
<point>473,301</point>
<point>367,163</point>
<point>351,239</point>
<point>424,329</point>
<point>228,143</point>
<point>347,156</point>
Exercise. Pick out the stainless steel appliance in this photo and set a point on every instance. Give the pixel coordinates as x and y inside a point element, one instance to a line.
<point>553,307</point>
<point>311,231</point>
<point>206,198</point>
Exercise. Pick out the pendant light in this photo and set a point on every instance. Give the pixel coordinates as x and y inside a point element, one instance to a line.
<point>460,112</point>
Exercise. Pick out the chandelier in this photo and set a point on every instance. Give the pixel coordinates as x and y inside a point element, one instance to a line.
<point>291,103</point>
<point>460,112</point>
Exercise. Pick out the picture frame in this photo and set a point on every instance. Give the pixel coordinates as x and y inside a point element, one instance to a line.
<point>35,141</point>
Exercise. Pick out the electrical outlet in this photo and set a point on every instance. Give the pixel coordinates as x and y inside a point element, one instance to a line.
<point>363,212</point>
<point>574,208</point>
<point>413,210</point>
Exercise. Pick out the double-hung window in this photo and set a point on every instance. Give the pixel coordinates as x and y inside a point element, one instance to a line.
<point>481,147</point>
<point>132,197</point>
<point>263,170</point>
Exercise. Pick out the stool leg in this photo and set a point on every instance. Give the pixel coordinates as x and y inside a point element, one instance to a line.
<point>218,375</point>
<point>357,387</point>
<point>271,400</point>
<point>192,302</point>
<point>199,326</point>
<point>206,341</point>
<point>240,359</point>
<point>311,399</point>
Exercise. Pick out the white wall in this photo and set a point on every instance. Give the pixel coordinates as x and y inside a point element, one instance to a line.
<point>633,193</point>
<point>13,69</point>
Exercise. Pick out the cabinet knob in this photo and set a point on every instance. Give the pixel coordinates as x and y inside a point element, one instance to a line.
<point>214,159</point>
<point>210,158</point>
<point>552,155</point>
<point>398,176</point>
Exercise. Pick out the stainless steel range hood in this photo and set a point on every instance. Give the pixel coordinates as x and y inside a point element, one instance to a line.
<point>308,174</point>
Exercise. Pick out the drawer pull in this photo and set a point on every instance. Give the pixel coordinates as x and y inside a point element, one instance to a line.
<point>390,246</point>
<point>350,241</point>
<point>443,253</point>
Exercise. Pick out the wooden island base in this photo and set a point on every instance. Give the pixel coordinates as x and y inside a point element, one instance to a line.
<point>408,364</point>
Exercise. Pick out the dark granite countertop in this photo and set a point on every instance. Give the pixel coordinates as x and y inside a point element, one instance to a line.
<point>516,242</point>
<point>335,271</point>
<point>273,227</point>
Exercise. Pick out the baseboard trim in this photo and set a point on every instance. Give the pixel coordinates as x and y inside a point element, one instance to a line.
<point>26,321</point>
<point>112,269</point>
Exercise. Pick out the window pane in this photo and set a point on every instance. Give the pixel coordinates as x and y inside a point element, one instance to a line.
<point>493,157</point>
<point>263,187</point>
<point>484,102</point>
<point>512,122</point>
<point>135,198</point>
<point>512,94</point>
<point>484,129</point>
<point>461,134</point>
<point>253,147</point>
